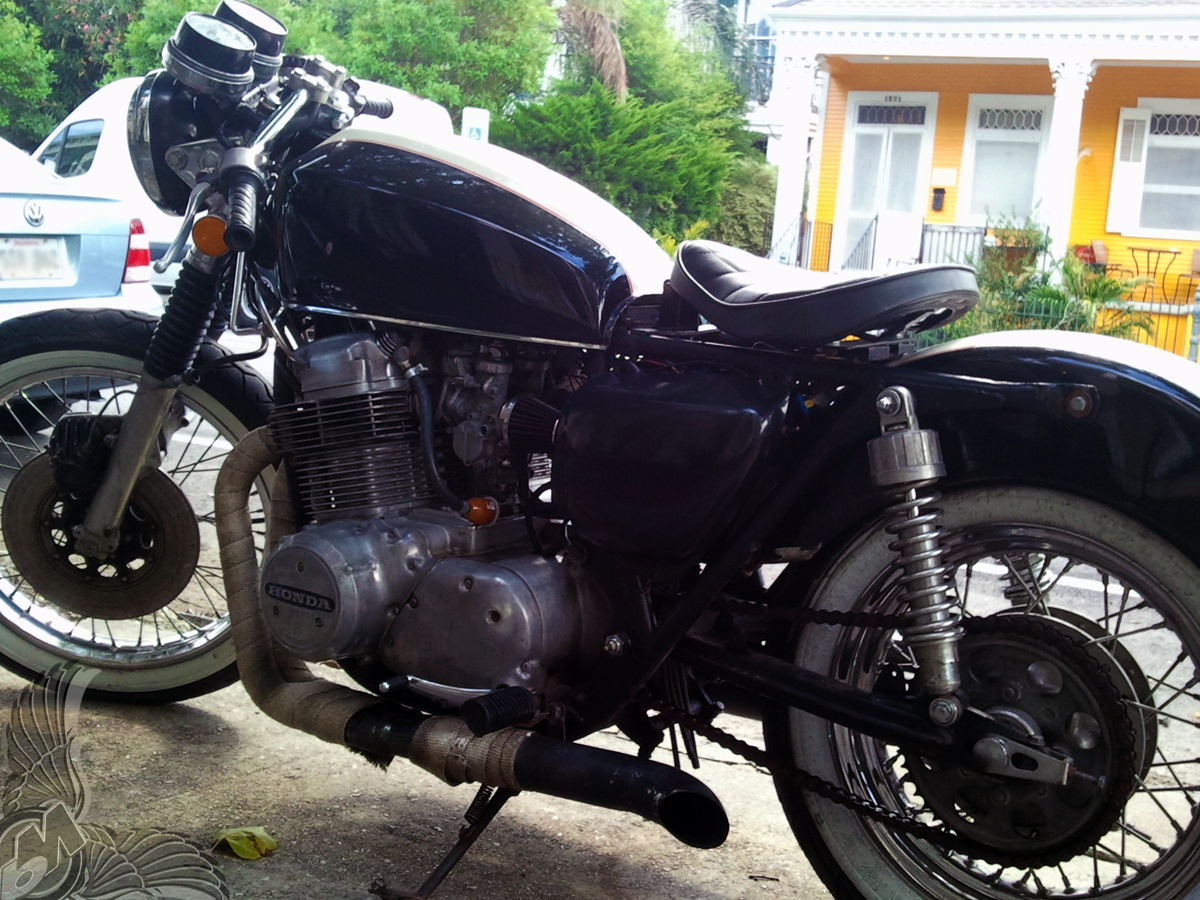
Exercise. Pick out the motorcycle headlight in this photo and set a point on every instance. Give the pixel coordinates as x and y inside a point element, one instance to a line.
<point>210,63</point>
<point>158,120</point>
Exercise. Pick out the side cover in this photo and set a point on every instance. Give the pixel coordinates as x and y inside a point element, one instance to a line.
<point>657,463</point>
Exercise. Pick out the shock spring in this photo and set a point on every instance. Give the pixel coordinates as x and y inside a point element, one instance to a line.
<point>907,460</point>
<point>933,613</point>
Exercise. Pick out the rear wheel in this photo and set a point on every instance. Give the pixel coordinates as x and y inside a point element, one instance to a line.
<point>152,617</point>
<point>1034,570</point>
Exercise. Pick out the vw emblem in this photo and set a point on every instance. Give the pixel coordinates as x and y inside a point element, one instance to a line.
<point>33,213</point>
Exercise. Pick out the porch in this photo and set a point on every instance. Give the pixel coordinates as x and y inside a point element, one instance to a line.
<point>1161,305</point>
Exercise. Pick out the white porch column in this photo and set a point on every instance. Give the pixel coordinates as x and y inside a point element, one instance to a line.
<point>1071,79</point>
<point>792,96</point>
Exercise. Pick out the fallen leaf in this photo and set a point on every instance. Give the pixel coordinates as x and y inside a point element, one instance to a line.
<point>248,843</point>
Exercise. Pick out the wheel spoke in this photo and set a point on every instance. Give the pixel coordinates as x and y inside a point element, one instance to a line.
<point>1108,602</point>
<point>198,620</point>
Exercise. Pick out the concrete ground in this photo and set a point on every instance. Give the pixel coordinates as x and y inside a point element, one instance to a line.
<point>218,762</point>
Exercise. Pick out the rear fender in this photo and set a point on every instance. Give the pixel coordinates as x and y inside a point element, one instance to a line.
<point>1138,451</point>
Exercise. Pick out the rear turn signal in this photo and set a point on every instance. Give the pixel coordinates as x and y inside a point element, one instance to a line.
<point>137,257</point>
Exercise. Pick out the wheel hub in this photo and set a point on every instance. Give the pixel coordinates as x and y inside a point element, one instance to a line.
<point>157,550</point>
<point>1041,688</point>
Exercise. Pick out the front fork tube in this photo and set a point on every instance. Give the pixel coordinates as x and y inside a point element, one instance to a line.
<point>156,410</point>
<point>906,460</point>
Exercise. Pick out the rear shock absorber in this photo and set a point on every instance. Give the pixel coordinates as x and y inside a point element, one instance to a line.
<point>907,460</point>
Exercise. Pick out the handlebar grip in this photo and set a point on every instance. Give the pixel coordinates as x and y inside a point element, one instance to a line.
<point>242,197</point>
<point>379,108</point>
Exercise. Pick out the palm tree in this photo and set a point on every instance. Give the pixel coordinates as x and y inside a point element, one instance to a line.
<point>591,28</point>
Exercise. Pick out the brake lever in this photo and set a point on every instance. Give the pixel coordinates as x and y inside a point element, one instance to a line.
<point>175,251</point>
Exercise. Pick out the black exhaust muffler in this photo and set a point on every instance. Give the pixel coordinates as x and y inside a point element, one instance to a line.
<point>525,761</point>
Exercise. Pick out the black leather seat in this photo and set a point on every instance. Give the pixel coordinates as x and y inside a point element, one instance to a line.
<point>756,299</point>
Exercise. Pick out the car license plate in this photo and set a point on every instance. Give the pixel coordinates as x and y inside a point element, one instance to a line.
<point>32,258</point>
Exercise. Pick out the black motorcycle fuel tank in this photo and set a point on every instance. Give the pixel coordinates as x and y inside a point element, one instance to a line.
<point>452,234</point>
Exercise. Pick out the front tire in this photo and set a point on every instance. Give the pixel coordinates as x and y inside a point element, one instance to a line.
<point>173,647</point>
<point>1076,566</point>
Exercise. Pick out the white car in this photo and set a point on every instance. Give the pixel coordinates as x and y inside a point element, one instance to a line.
<point>90,148</point>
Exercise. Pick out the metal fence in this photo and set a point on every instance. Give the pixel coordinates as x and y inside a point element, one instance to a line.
<point>1174,327</point>
<point>811,240</point>
<point>862,255</point>
<point>951,243</point>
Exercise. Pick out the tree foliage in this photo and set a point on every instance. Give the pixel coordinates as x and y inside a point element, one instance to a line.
<point>663,155</point>
<point>80,34</point>
<point>456,52</point>
<point>25,79</point>
<point>588,30</point>
<point>654,161</point>
<point>747,206</point>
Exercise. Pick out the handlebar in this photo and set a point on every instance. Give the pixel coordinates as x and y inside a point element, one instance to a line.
<point>378,108</point>
<point>241,182</point>
<point>242,223</point>
<point>241,179</point>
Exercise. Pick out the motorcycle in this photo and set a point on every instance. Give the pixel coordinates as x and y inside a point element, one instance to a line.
<point>524,478</point>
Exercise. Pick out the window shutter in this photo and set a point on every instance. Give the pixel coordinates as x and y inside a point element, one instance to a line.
<point>1129,170</point>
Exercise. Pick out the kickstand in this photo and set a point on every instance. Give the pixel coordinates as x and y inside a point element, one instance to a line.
<point>479,815</point>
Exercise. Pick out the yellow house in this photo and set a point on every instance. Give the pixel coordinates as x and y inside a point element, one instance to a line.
<point>1082,115</point>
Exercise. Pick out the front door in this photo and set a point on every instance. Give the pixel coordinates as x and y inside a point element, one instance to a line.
<point>885,176</point>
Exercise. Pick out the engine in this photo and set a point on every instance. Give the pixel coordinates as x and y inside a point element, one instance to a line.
<point>379,574</point>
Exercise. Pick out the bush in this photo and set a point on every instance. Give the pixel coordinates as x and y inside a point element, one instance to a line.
<point>654,161</point>
<point>24,80</point>
<point>747,206</point>
<point>1020,289</point>
<point>1085,300</point>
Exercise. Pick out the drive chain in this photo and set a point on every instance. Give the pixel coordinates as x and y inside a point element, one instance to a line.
<point>939,835</point>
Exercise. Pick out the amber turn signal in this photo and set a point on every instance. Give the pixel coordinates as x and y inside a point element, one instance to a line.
<point>208,234</point>
<point>482,510</point>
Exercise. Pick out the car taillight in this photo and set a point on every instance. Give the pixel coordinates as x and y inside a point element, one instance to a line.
<point>137,258</point>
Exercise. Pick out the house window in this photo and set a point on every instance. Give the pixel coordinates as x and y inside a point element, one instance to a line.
<point>1156,174</point>
<point>1001,156</point>
<point>1170,191</point>
<point>891,115</point>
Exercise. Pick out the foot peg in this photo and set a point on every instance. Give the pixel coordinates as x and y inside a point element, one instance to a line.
<point>501,708</point>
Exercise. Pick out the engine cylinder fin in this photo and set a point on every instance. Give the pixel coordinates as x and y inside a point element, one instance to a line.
<point>356,455</point>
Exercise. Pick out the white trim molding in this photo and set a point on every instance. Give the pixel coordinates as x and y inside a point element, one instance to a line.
<point>972,30</point>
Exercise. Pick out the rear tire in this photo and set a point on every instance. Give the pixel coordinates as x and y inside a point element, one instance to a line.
<point>1024,552</point>
<point>87,361</point>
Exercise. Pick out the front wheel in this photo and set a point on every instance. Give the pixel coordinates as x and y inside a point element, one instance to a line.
<point>151,617</point>
<point>1034,571</point>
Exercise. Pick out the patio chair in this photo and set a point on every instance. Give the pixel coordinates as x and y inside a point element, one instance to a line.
<point>1187,282</point>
